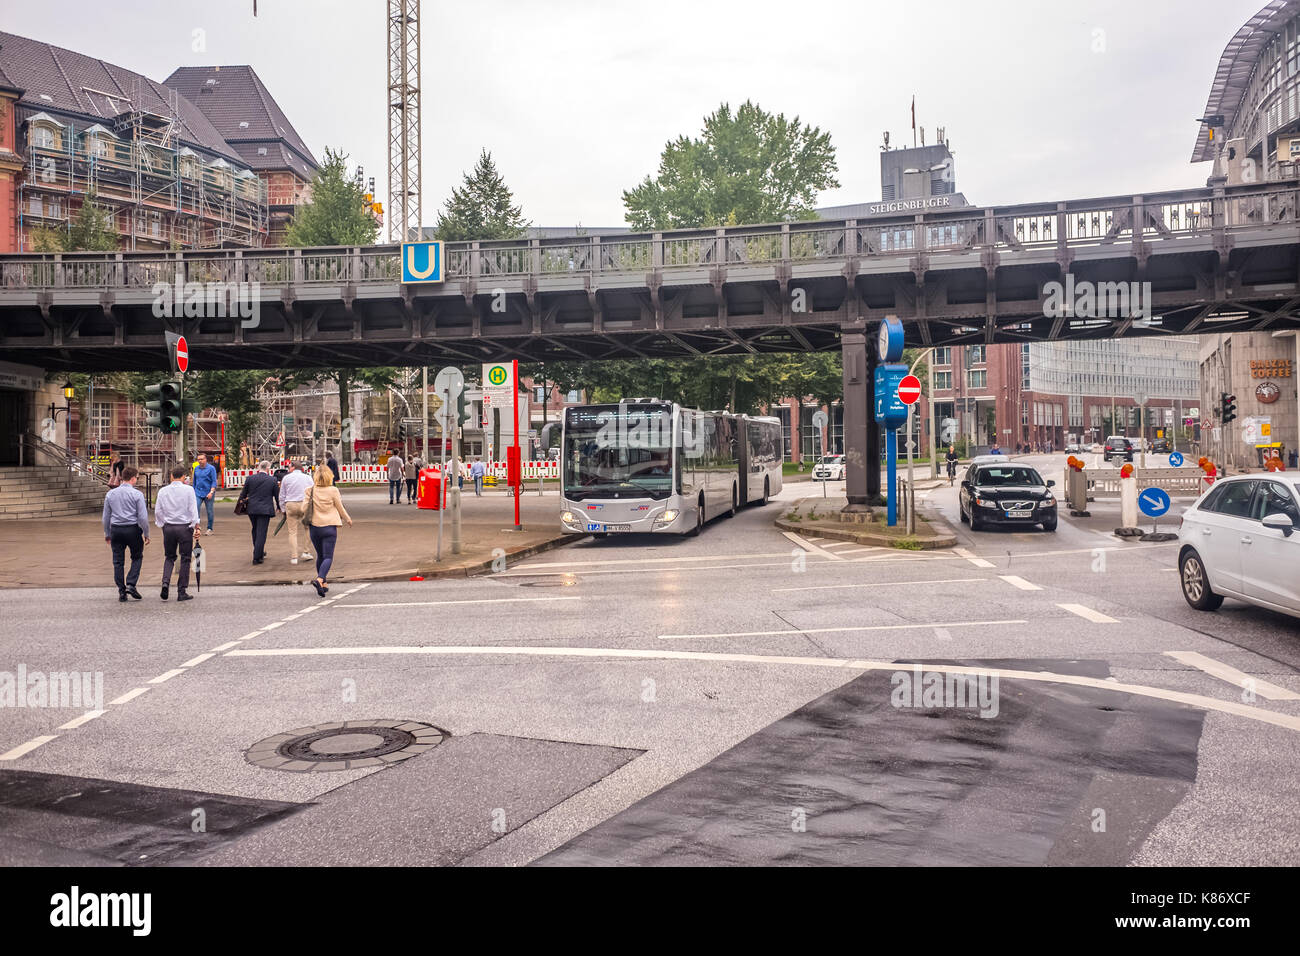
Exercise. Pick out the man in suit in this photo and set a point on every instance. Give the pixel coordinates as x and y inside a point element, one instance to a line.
<point>334,467</point>
<point>176,512</point>
<point>126,525</point>
<point>262,492</point>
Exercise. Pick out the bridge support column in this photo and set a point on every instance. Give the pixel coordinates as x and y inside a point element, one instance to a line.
<point>861,435</point>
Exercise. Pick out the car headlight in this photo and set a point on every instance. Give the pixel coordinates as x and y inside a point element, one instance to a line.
<point>986,503</point>
<point>1047,502</point>
<point>667,518</point>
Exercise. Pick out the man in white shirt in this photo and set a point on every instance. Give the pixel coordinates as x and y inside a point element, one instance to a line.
<point>177,512</point>
<point>293,495</point>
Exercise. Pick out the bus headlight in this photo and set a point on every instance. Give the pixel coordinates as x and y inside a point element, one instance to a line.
<point>667,518</point>
<point>569,518</point>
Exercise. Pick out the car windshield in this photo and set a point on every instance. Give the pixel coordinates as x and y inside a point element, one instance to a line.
<point>833,460</point>
<point>1008,475</point>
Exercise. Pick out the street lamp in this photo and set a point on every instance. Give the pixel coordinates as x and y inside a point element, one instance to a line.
<point>69,390</point>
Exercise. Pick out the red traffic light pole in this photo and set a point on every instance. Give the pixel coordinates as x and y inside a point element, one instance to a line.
<point>518,461</point>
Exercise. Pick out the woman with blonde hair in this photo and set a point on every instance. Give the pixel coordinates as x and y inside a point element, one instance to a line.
<point>327,513</point>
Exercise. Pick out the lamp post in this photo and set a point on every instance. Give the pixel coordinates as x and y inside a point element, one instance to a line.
<point>69,390</point>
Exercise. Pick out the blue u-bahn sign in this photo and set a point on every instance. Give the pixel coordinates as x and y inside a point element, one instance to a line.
<point>421,262</point>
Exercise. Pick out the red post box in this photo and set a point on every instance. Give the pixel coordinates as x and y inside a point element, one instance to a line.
<point>514,470</point>
<point>430,491</point>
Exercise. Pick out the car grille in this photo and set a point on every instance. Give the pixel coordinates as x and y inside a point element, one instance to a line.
<point>1017,505</point>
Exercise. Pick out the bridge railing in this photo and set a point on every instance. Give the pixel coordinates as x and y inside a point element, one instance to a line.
<point>1111,220</point>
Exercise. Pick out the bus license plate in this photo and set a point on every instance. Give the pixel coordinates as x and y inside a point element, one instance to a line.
<point>1020,514</point>
<point>609,527</point>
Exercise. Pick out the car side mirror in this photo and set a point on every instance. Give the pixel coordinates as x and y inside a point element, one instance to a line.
<point>1280,522</point>
<point>1051,484</point>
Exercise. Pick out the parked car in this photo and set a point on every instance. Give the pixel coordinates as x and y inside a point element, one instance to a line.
<point>1118,447</point>
<point>1006,494</point>
<point>830,468</point>
<point>1161,444</point>
<point>1239,540</point>
<point>1073,448</point>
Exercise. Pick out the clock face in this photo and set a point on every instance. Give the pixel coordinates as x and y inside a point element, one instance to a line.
<point>882,342</point>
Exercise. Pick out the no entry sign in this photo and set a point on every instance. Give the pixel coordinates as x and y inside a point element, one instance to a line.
<point>909,389</point>
<point>182,354</point>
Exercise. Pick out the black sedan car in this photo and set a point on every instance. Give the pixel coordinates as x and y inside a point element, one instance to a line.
<point>1006,494</point>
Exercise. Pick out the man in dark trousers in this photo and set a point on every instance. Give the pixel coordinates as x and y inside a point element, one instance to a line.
<point>262,492</point>
<point>334,467</point>
<point>126,525</point>
<point>176,512</point>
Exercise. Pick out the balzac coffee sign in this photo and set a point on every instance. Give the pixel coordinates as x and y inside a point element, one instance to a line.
<point>1270,368</point>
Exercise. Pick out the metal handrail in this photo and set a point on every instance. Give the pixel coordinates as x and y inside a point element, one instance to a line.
<point>74,462</point>
<point>1152,217</point>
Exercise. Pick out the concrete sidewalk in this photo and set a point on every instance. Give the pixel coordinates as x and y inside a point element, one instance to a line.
<point>385,542</point>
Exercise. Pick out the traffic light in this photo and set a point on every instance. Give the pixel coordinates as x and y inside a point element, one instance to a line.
<point>166,409</point>
<point>463,409</point>
<point>1227,407</point>
<point>401,432</point>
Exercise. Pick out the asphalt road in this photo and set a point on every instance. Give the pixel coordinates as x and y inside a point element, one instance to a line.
<point>741,697</point>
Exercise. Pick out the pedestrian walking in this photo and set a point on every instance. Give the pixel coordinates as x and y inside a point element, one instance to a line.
<point>205,485</point>
<point>327,514</point>
<point>126,526</point>
<point>115,466</point>
<point>412,477</point>
<point>177,512</point>
<point>477,471</point>
<point>261,499</point>
<point>293,492</point>
<point>396,477</point>
<point>334,467</point>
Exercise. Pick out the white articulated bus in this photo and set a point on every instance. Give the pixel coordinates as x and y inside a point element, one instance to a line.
<point>646,465</point>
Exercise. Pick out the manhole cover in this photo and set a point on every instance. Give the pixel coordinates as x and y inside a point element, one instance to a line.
<point>344,745</point>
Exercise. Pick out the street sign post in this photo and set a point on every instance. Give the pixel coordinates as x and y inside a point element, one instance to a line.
<point>1176,460</point>
<point>421,262</point>
<point>1154,502</point>
<point>891,411</point>
<point>819,421</point>
<point>909,389</point>
<point>448,383</point>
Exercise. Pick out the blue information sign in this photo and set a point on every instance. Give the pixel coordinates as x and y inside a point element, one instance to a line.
<point>890,409</point>
<point>1176,460</point>
<point>1154,502</point>
<point>421,262</point>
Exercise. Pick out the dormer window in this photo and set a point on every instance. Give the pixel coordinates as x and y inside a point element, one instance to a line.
<point>42,137</point>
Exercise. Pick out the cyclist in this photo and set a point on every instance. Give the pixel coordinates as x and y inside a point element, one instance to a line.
<point>952,464</point>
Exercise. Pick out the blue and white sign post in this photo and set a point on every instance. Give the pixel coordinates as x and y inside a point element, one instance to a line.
<point>1176,460</point>
<point>421,262</point>
<point>891,411</point>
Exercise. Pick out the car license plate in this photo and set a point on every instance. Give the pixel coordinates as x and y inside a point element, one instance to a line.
<point>1020,514</point>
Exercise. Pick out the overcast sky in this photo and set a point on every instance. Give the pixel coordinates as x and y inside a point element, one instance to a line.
<point>1042,99</point>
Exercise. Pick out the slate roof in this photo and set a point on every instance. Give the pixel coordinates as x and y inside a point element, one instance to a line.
<point>237,103</point>
<point>64,81</point>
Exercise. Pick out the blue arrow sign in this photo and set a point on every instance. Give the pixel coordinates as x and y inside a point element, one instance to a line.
<point>890,409</point>
<point>1154,502</point>
<point>1176,459</point>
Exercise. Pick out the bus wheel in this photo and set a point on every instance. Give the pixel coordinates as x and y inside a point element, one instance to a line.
<point>699,520</point>
<point>766,493</point>
<point>735,504</point>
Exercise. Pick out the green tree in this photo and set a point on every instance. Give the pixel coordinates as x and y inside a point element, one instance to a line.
<point>94,229</point>
<point>482,208</point>
<point>233,392</point>
<point>337,214</point>
<point>747,167</point>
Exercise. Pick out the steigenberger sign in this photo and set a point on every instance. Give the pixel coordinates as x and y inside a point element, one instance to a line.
<point>906,205</point>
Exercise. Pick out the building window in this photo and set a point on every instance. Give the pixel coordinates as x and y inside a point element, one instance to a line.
<point>43,137</point>
<point>942,381</point>
<point>539,393</point>
<point>101,420</point>
<point>977,378</point>
<point>977,355</point>
<point>573,397</point>
<point>943,356</point>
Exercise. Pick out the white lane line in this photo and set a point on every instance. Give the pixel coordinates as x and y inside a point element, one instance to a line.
<point>1088,613</point>
<point>292,617</point>
<point>711,567</point>
<point>225,647</point>
<point>165,677</point>
<point>195,661</point>
<point>978,562</point>
<point>876,584</point>
<point>27,747</point>
<point>85,718</point>
<point>130,695</point>
<point>1288,721</point>
<point>248,637</point>
<point>1018,582</point>
<point>858,549</point>
<point>308,610</point>
<point>273,626</point>
<point>467,601</point>
<point>810,547</point>
<point>680,560</point>
<point>1232,675</point>
<point>833,544</point>
<point>834,630</point>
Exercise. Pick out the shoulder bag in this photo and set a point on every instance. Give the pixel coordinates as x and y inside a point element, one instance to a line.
<point>308,507</point>
<point>241,505</point>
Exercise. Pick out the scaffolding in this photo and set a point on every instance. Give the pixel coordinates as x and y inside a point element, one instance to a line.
<point>160,194</point>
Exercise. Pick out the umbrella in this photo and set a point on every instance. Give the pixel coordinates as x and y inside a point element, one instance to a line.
<point>197,560</point>
<point>283,518</point>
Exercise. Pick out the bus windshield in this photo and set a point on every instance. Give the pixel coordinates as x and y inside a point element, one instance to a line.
<point>618,451</point>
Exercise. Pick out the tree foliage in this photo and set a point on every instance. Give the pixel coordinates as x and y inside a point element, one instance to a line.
<point>92,230</point>
<point>747,167</point>
<point>233,392</point>
<point>338,214</point>
<point>481,208</point>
